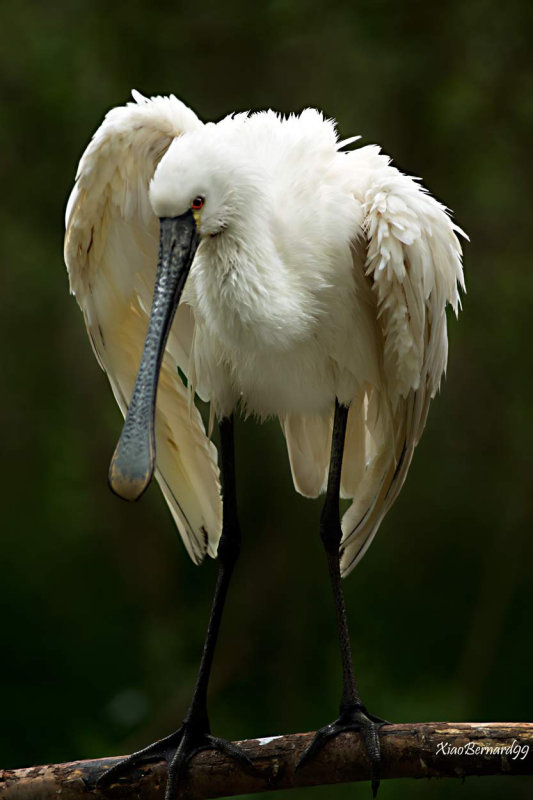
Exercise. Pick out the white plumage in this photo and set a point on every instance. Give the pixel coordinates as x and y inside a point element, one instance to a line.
<point>320,274</point>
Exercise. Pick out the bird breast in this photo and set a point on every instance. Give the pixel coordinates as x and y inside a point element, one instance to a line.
<point>267,326</point>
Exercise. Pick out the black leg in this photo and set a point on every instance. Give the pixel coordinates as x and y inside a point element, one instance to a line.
<point>352,713</point>
<point>227,553</point>
<point>194,735</point>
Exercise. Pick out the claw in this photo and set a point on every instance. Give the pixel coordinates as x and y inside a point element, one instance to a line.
<point>352,719</point>
<point>177,750</point>
<point>319,740</point>
<point>231,750</point>
<point>157,751</point>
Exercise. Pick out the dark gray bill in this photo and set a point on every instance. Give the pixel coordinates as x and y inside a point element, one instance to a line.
<point>132,465</point>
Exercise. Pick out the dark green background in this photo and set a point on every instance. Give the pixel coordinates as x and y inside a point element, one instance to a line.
<point>102,612</point>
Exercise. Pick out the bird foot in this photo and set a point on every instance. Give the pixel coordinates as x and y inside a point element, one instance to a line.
<point>353,718</point>
<point>177,750</point>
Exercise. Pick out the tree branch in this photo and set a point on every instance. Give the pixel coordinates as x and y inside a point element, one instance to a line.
<point>421,750</point>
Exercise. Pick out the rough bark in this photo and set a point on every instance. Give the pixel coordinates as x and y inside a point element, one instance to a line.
<point>421,750</point>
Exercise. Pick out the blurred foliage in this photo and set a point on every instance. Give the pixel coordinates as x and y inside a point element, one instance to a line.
<point>103,614</point>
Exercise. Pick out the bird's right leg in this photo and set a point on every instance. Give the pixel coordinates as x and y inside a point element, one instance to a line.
<point>194,735</point>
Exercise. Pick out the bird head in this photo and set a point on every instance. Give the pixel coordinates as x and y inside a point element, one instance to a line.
<point>201,174</point>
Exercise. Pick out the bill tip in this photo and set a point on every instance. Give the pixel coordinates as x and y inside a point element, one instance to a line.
<point>128,485</point>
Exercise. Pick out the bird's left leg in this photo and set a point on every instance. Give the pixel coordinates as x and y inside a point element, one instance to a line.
<point>194,734</point>
<point>353,715</point>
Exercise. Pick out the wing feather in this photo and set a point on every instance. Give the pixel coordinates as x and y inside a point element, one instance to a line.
<point>413,262</point>
<point>111,255</point>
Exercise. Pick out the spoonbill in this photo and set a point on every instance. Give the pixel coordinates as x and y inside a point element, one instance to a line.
<point>294,276</point>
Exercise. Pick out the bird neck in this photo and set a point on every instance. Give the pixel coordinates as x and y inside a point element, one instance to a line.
<point>244,292</point>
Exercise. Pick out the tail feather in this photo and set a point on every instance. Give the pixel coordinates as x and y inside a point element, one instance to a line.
<point>308,443</point>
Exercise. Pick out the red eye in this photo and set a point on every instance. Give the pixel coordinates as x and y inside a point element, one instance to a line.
<point>198,203</point>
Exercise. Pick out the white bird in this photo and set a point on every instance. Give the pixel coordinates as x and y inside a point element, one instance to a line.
<point>294,279</point>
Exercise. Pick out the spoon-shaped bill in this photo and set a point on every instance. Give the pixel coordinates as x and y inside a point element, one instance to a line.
<point>132,465</point>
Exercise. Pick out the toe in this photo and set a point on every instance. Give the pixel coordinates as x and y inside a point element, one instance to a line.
<point>162,750</point>
<point>231,750</point>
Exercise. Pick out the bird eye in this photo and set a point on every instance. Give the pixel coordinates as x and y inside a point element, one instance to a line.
<point>198,203</point>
